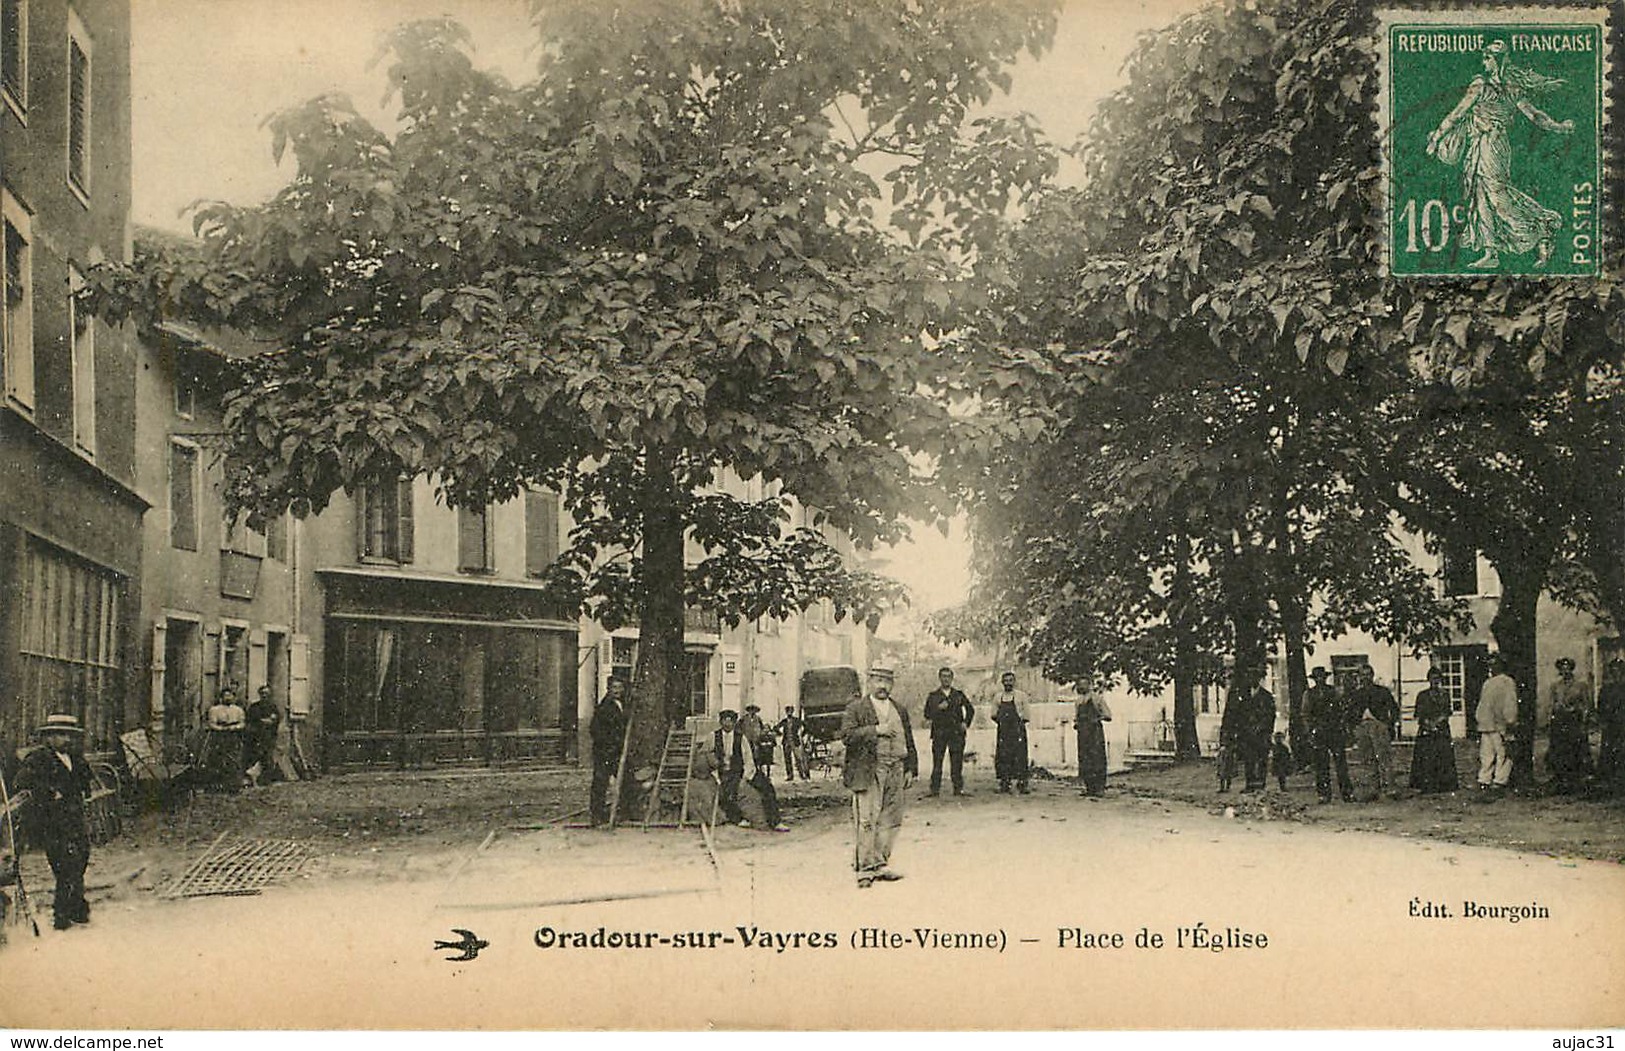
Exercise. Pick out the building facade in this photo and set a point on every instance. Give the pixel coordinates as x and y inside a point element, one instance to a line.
<point>70,505</point>
<point>216,604</point>
<point>431,640</point>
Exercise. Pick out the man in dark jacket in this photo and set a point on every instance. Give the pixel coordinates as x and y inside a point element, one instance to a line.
<point>608,731</point>
<point>1328,736</point>
<point>1256,721</point>
<point>57,779</point>
<point>263,720</point>
<point>736,759</point>
<point>949,712</point>
<point>879,766</point>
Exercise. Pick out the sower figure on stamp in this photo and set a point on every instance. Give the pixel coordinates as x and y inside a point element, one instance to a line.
<point>57,779</point>
<point>950,713</point>
<point>608,732</point>
<point>1010,758</point>
<point>1477,136</point>
<point>880,765</point>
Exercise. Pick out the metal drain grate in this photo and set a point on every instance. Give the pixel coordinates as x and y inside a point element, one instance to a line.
<point>240,866</point>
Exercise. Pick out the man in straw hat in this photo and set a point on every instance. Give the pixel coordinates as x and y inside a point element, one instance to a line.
<point>57,779</point>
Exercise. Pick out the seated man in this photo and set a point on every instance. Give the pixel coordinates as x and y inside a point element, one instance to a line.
<point>736,762</point>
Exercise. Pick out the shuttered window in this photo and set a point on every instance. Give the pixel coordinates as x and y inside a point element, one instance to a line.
<point>16,304</point>
<point>78,107</point>
<point>83,334</point>
<point>386,522</point>
<point>14,52</point>
<point>183,486</point>
<point>474,539</point>
<point>541,531</point>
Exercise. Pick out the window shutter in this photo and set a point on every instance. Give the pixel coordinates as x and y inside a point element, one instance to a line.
<point>363,508</point>
<point>11,47</point>
<point>160,651</point>
<point>541,531</point>
<point>471,547</point>
<point>299,677</point>
<point>403,527</point>
<point>78,113</point>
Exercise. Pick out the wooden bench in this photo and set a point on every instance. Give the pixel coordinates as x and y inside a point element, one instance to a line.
<point>167,780</point>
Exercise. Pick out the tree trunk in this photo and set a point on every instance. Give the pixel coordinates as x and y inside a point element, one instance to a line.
<point>1186,743</point>
<point>659,686</point>
<point>1514,631</point>
<point>1289,604</point>
<point>1295,637</point>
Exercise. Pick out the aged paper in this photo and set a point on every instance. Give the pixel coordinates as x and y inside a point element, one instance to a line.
<point>1046,911</point>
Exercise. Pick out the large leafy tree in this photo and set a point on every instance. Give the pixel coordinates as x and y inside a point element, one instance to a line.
<point>708,235</point>
<point>1232,212</point>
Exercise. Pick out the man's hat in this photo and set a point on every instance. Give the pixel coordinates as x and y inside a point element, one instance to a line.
<point>1565,662</point>
<point>1319,673</point>
<point>60,724</point>
<point>727,713</point>
<point>753,708</point>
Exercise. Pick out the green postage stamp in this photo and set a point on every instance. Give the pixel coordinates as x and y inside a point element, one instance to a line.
<point>1493,123</point>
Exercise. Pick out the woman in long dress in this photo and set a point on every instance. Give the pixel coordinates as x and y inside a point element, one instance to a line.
<point>1091,717</point>
<point>1477,135</point>
<point>1433,763</point>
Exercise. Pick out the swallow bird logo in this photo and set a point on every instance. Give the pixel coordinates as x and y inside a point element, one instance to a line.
<point>469,945</point>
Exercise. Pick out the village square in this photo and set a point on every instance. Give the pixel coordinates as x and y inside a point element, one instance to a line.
<point>505,494</point>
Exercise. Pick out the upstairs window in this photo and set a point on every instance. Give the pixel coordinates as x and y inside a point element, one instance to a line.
<point>17,318</point>
<point>474,539</point>
<point>1459,569</point>
<point>183,490</point>
<point>386,522</point>
<point>82,331</point>
<point>14,54</point>
<point>78,106</point>
<point>541,531</point>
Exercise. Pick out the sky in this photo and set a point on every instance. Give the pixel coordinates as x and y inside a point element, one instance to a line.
<point>206,74</point>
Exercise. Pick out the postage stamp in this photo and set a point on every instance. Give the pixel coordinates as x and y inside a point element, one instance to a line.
<point>1492,122</point>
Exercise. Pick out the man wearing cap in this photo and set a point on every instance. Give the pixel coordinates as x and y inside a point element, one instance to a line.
<point>608,730</point>
<point>790,729</point>
<point>950,714</point>
<point>1568,740</point>
<point>879,766</point>
<point>736,762</point>
<point>57,779</point>
<point>1323,714</point>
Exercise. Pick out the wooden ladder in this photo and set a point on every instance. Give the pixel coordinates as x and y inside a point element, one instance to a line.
<point>674,772</point>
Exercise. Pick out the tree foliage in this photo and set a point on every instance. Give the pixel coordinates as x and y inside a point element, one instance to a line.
<point>1256,387</point>
<point>706,237</point>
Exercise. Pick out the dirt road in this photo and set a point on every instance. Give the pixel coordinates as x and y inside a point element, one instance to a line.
<point>1315,927</point>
